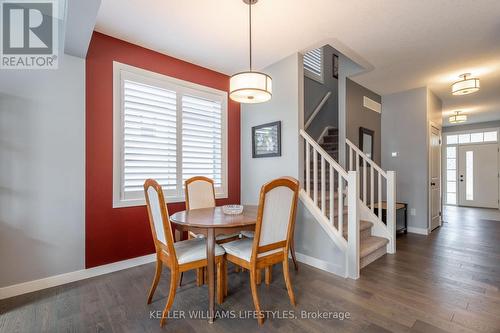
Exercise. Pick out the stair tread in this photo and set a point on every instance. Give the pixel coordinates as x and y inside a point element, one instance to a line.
<point>371,244</point>
<point>363,225</point>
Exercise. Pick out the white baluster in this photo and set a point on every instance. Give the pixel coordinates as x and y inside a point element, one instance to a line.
<point>350,158</point>
<point>332,195</point>
<point>308,169</point>
<point>340,193</point>
<point>315,176</point>
<point>365,181</point>
<point>357,162</point>
<point>372,189</point>
<point>323,186</point>
<point>379,210</point>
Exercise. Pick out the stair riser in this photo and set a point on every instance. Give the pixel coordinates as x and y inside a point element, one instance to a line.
<point>330,138</point>
<point>365,261</point>
<point>363,234</point>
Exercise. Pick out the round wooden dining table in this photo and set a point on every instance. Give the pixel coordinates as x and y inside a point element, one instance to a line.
<point>213,222</point>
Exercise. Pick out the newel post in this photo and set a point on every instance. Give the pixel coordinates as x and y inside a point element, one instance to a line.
<point>353,250</point>
<point>391,210</point>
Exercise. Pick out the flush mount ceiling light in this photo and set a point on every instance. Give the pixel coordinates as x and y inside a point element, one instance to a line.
<point>250,86</point>
<point>465,86</point>
<point>458,118</point>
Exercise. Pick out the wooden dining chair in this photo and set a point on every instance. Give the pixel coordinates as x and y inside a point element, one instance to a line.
<point>273,235</point>
<point>200,193</point>
<point>180,256</point>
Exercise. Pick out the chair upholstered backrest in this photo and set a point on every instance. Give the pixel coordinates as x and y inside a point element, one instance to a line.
<point>158,217</point>
<point>276,215</point>
<point>200,193</point>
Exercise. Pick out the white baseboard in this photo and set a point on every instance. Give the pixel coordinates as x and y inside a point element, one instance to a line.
<point>56,280</point>
<point>420,231</point>
<point>321,264</point>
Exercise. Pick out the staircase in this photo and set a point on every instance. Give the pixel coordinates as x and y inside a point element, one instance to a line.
<point>330,142</point>
<point>338,200</point>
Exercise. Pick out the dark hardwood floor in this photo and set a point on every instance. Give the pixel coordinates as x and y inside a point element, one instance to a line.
<point>446,282</point>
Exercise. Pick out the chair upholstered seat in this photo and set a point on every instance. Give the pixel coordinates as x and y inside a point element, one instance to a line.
<point>193,250</point>
<point>243,249</point>
<point>248,233</point>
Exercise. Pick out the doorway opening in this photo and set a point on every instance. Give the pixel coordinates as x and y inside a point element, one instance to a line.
<point>471,169</point>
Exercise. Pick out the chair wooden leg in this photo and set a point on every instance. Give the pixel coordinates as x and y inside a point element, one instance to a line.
<point>225,278</point>
<point>156,279</point>
<point>236,268</point>
<point>180,280</point>
<point>288,283</point>
<point>268,275</point>
<point>292,251</point>
<point>174,277</point>
<point>259,277</point>
<point>220,282</point>
<point>255,296</point>
<point>199,277</point>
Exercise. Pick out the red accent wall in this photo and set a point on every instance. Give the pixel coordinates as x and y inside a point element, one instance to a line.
<point>114,234</point>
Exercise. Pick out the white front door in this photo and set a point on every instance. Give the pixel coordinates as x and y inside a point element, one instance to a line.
<point>435,178</point>
<point>478,175</point>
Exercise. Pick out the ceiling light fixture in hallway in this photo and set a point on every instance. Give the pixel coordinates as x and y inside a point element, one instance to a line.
<point>458,118</point>
<point>465,86</point>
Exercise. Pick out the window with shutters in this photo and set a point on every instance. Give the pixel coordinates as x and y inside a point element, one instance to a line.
<point>313,64</point>
<point>168,130</point>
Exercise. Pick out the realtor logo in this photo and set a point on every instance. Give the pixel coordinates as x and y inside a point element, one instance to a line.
<point>29,34</point>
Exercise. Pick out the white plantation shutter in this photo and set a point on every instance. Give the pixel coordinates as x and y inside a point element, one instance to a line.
<point>149,137</point>
<point>168,130</point>
<point>313,64</point>
<point>201,139</point>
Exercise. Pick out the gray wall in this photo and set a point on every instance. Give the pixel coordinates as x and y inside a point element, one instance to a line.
<point>404,130</point>
<point>359,116</point>
<point>312,241</point>
<point>284,106</point>
<point>314,92</point>
<point>470,127</point>
<point>42,171</point>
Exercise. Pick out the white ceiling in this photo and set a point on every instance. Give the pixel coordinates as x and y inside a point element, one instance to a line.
<point>408,43</point>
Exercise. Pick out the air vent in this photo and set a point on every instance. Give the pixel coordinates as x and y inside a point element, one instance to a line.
<point>371,104</point>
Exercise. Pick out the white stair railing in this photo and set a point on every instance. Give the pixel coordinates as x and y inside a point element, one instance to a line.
<point>317,109</point>
<point>327,190</point>
<point>377,190</point>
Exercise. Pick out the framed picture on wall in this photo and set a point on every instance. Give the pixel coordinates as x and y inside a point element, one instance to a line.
<point>335,66</point>
<point>366,141</point>
<point>266,140</point>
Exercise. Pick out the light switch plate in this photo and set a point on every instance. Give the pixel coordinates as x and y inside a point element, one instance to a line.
<point>413,212</point>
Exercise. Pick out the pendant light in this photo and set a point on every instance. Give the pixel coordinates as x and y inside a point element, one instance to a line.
<point>458,118</point>
<point>250,86</point>
<point>465,86</point>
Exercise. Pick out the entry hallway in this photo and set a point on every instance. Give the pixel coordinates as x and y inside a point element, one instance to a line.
<point>446,282</point>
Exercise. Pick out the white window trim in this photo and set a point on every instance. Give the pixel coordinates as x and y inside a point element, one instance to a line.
<point>314,76</point>
<point>181,87</point>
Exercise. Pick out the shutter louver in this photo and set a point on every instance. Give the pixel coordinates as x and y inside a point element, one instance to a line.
<point>313,62</point>
<point>201,138</point>
<point>149,137</point>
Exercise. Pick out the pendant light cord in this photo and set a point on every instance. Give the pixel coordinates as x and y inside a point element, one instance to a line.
<point>250,34</point>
